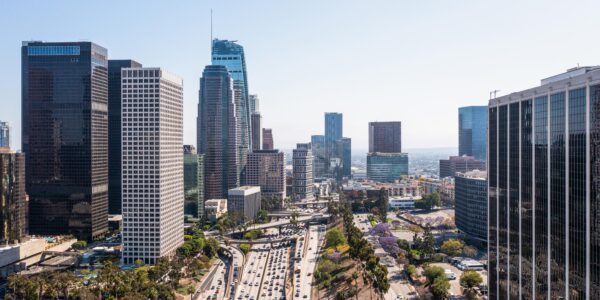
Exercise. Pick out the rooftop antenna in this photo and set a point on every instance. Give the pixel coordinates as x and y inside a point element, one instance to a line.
<point>494,93</point>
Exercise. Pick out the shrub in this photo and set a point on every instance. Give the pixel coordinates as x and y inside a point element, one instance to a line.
<point>334,237</point>
<point>245,248</point>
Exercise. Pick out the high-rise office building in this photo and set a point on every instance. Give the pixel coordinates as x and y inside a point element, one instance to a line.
<point>217,131</point>
<point>345,153</point>
<point>256,129</point>
<point>13,200</point>
<point>231,55</point>
<point>302,160</point>
<point>193,168</point>
<point>385,137</point>
<point>386,167</point>
<point>544,197</point>
<point>152,186</point>
<point>267,137</point>
<point>333,126</point>
<point>266,169</point>
<point>254,103</point>
<point>244,200</point>
<point>114,131</point>
<point>462,164</point>
<point>4,134</point>
<point>472,131</point>
<point>320,159</point>
<point>470,196</point>
<point>65,137</point>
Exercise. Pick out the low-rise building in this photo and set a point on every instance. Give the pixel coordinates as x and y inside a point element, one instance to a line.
<point>245,200</point>
<point>215,208</point>
<point>449,167</point>
<point>403,202</point>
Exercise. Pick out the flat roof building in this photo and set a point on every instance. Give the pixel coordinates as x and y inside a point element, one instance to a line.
<point>246,201</point>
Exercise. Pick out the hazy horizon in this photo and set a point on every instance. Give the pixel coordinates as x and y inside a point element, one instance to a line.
<point>414,62</point>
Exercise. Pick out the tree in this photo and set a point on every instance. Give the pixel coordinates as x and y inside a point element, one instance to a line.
<point>211,247</point>
<point>245,248</point>
<point>262,216</point>
<point>432,272</point>
<point>79,245</point>
<point>334,237</point>
<point>452,247</point>
<point>469,280</point>
<point>403,244</point>
<point>382,204</point>
<point>138,262</point>
<point>428,243</point>
<point>439,288</point>
<point>411,270</point>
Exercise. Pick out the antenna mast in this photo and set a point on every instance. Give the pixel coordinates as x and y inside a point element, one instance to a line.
<point>211,32</point>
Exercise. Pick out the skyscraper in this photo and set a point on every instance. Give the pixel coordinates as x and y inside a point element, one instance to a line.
<point>254,103</point>
<point>302,172</point>
<point>152,186</point>
<point>344,151</point>
<point>13,200</point>
<point>544,197</point>
<point>472,130</point>
<point>267,136</point>
<point>4,135</point>
<point>385,137</point>
<point>256,120</point>
<point>266,169</point>
<point>65,137</point>
<point>333,126</point>
<point>231,55</point>
<point>114,131</point>
<point>321,161</point>
<point>217,131</point>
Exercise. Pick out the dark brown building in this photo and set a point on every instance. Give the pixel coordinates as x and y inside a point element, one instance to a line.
<point>267,139</point>
<point>462,164</point>
<point>65,137</point>
<point>385,137</point>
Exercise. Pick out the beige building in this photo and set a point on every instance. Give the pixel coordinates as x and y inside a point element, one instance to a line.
<point>215,208</point>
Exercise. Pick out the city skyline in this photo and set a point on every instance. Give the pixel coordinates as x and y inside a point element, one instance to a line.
<point>469,49</point>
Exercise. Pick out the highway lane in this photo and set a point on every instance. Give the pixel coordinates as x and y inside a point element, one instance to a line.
<point>310,251</point>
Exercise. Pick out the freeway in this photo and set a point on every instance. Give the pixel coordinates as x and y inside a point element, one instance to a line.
<point>309,250</point>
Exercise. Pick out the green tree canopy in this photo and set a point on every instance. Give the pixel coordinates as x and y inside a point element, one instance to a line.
<point>470,279</point>
<point>433,272</point>
<point>452,247</point>
<point>439,288</point>
<point>334,237</point>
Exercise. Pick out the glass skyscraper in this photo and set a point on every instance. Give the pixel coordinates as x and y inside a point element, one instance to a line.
<point>65,137</point>
<point>231,55</point>
<point>114,131</point>
<point>334,129</point>
<point>217,132</point>
<point>472,130</point>
<point>544,191</point>
<point>386,167</point>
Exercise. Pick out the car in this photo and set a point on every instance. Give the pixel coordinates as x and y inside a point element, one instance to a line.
<point>305,296</point>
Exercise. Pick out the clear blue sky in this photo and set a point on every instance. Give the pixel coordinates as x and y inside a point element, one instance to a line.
<point>413,61</point>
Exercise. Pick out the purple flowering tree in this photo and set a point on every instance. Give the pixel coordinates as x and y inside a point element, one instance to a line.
<point>335,257</point>
<point>381,229</point>
<point>390,245</point>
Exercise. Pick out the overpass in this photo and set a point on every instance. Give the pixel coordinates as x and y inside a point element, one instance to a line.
<point>261,241</point>
<point>306,203</point>
<point>286,213</point>
<point>285,222</point>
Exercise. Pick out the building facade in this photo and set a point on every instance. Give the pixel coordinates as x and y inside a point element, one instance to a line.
<point>14,206</point>
<point>231,55</point>
<point>470,192</point>
<point>245,201</point>
<point>385,137</point>
<point>320,159</point>
<point>4,134</point>
<point>302,160</point>
<point>152,186</point>
<point>267,136</point>
<point>266,169</point>
<point>215,208</point>
<point>386,167</point>
<point>193,168</point>
<point>448,167</point>
<point>344,149</point>
<point>114,131</point>
<point>217,131</point>
<point>256,130</point>
<point>472,131</point>
<point>254,103</point>
<point>544,200</point>
<point>65,137</point>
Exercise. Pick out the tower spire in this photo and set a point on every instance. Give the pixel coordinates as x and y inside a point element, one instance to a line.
<point>211,32</point>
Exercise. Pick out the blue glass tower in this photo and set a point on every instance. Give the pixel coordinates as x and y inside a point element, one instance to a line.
<point>472,128</point>
<point>231,55</point>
